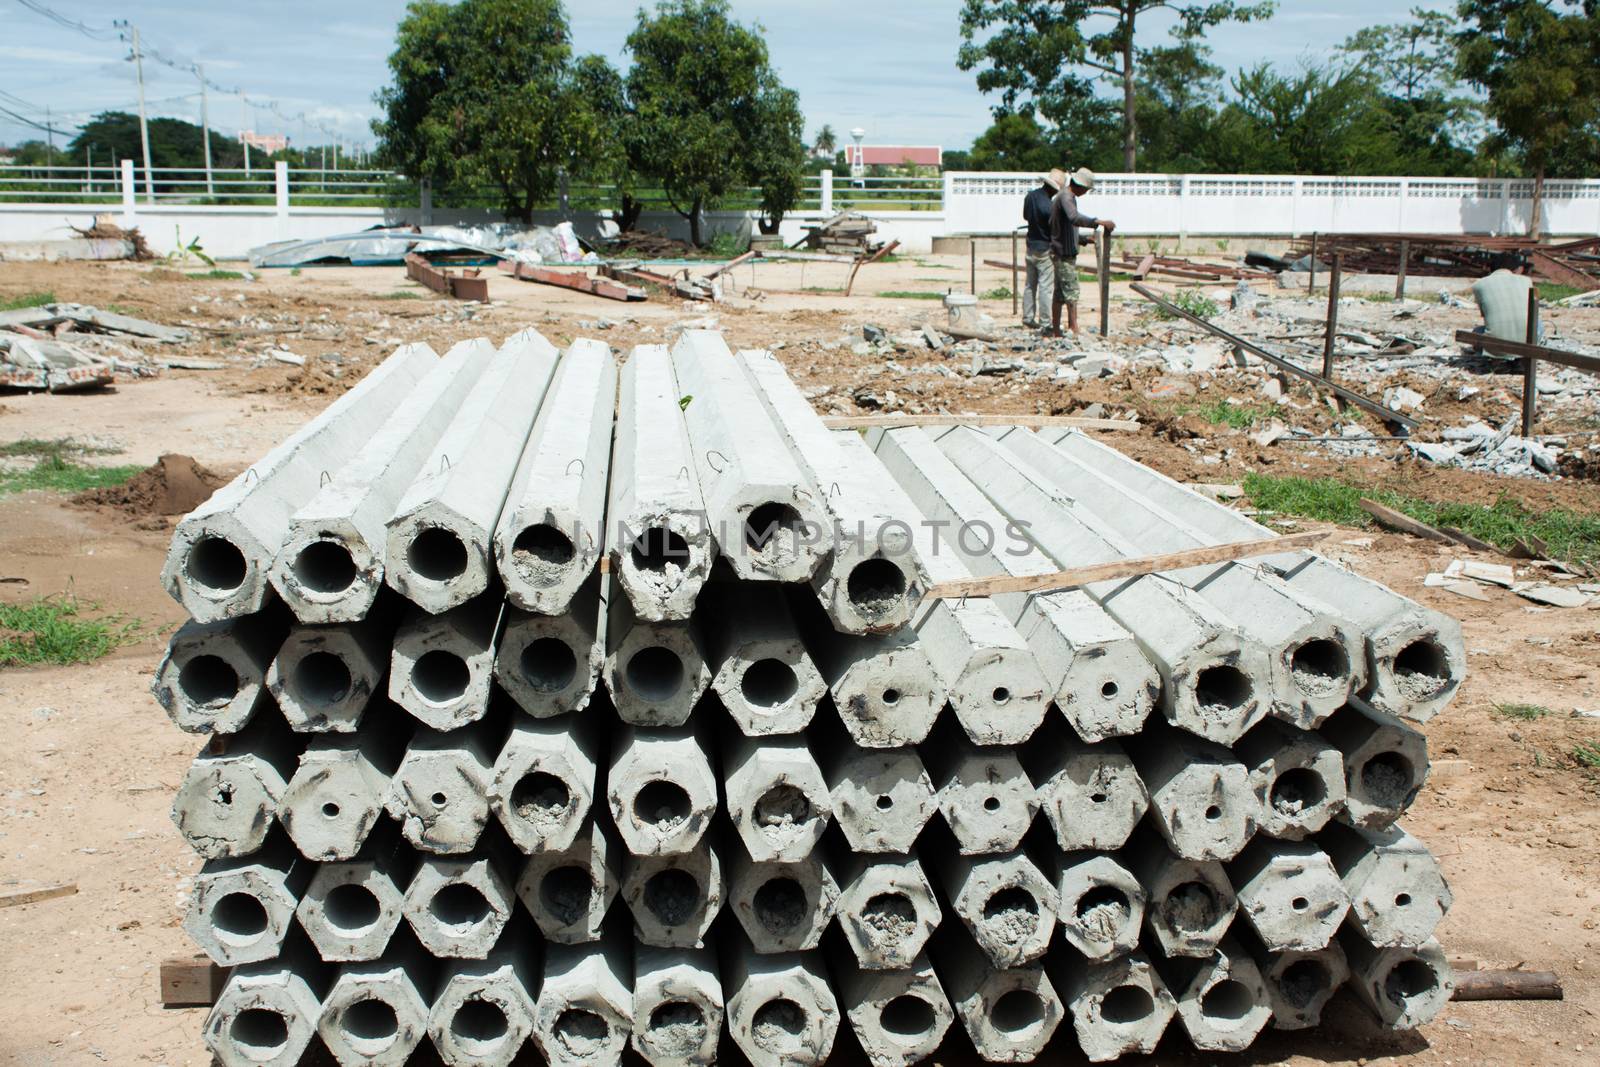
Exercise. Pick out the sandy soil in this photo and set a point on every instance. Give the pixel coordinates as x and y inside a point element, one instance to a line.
<point>91,762</point>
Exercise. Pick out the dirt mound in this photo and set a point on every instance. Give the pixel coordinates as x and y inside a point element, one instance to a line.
<point>175,485</point>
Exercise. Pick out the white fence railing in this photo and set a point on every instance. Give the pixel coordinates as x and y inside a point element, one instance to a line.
<point>1259,204</point>
<point>234,210</point>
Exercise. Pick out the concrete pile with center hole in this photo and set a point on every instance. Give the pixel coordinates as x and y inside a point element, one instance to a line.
<point>588,706</point>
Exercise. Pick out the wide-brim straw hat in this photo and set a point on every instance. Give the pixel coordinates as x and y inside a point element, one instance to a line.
<point>1055,179</point>
<point>1083,177</point>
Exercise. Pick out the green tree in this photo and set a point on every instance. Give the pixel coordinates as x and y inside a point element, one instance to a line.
<point>1414,66</point>
<point>1028,49</point>
<point>776,156</point>
<point>173,142</point>
<point>1314,121</point>
<point>708,112</point>
<point>1177,88</point>
<point>1015,142</point>
<point>827,141</point>
<point>485,91</point>
<point>1539,62</point>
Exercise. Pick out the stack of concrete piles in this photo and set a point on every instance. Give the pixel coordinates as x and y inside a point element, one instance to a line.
<point>595,707</point>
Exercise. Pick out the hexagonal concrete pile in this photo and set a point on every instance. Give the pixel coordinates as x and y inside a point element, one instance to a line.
<point>596,707</point>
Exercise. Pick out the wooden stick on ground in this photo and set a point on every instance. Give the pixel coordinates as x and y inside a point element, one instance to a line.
<point>11,898</point>
<point>1394,520</point>
<point>190,982</point>
<point>1508,985</point>
<point>1124,568</point>
<point>889,422</point>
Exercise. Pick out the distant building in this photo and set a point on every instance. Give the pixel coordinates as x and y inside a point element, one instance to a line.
<point>264,142</point>
<point>893,156</point>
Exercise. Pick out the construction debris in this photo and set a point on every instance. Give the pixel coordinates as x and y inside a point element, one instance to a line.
<point>577,280</point>
<point>944,738</point>
<point>1572,263</point>
<point>469,284</point>
<point>844,234</point>
<point>51,347</point>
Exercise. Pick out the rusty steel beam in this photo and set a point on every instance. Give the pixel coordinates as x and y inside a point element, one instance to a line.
<point>1500,346</point>
<point>1281,363</point>
<point>469,285</point>
<point>576,280</point>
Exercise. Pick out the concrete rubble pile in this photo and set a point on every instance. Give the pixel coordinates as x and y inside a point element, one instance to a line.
<point>602,707</point>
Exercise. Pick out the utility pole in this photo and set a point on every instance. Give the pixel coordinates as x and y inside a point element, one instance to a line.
<point>50,149</point>
<point>249,127</point>
<point>205,127</point>
<point>144,123</point>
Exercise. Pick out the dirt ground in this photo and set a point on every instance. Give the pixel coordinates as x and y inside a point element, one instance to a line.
<point>91,763</point>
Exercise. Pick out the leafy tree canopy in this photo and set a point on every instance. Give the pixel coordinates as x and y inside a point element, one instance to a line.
<point>486,91</point>
<point>1032,51</point>
<point>709,114</point>
<point>1539,62</point>
<point>173,142</point>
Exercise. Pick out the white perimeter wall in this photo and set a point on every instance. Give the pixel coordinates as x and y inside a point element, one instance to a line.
<point>973,203</point>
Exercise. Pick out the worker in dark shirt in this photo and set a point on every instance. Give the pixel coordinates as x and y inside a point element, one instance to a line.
<point>1040,280</point>
<point>1066,225</point>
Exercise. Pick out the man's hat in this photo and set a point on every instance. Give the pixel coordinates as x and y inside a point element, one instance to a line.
<point>1055,179</point>
<point>1083,177</point>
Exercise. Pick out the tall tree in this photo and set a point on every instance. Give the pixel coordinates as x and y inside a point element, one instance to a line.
<point>1414,66</point>
<point>1539,61</point>
<point>708,111</point>
<point>1314,121</point>
<point>826,140</point>
<point>1178,90</point>
<point>485,91</point>
<point>1027,49</point>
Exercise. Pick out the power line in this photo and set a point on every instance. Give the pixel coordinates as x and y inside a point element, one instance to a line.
<point>70,23</point>
<point>122,29</point>
<point>35,125</point>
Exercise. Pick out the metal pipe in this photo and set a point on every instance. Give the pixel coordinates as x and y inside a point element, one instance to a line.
<point>1105,283</point>
<point>1013,273</point>
<point>1400,278</point>
<point>1332,332</point>
<point>1530,365</point>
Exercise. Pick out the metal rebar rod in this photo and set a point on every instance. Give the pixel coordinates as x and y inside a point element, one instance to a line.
<point>1530,365</point>
<point>1332,332</point>
<point>1105,283</point>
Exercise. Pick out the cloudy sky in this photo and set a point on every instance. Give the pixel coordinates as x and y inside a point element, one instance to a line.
<point>887,66</point>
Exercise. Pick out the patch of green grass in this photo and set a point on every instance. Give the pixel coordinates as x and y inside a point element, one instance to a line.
<point>294,272</point>
<point>930,266</point>
<point>1238,416</point>
<point>55,630</point>
<point>1585,752</point>
<point>1377,298</point>
<point>56,474</point>
<point>1550,292</point>
<point>821,289</point>
<point>400,294</point>
<point>27,300</point>
<point>1194,302</point>
<point>905,294</point>
<point>57,447</point>
<point>121,309</point>
<point>1524,712</point>
<point>999,293</point>
<point>216,275</point>
<point>727,246</point>
<point>1569,534</point>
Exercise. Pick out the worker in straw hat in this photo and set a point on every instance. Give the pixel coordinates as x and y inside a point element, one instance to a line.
<point>1040,281</point>
<point>1067,224</point>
